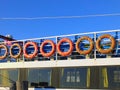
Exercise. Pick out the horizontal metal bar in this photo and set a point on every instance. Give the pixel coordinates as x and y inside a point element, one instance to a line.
<point>118,30</point>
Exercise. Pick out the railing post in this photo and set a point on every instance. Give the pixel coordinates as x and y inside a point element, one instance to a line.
<point>94,46</point>
<point>23,52</point>
<point>56,40</point>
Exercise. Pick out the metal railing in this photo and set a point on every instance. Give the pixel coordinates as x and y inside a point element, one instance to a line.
<point>65,46</point>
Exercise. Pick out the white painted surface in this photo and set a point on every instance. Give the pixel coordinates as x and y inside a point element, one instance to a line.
<point>4,88</point>
<point>69,89</point>
<point>31,89</point>
<point>62,63</point>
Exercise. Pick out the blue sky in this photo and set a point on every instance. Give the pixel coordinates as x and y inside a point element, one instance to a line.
<point>23,29</point>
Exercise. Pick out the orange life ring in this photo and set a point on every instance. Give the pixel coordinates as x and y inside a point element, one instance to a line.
<point>105,51</point>
<point>84,52</point>
<point>6,51</point>
<point>19,53</point>
<point>49,53</point>
<point>70,49</point>
<point>30,56</point>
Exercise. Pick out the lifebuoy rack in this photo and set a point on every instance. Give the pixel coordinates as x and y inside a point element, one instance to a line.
<point>75,46</point>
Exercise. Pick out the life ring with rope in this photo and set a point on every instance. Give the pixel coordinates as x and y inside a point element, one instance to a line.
<point>84,52</point>
<point>19,53</point>
<point>70,48</point>
<point>47,54</point>
<point>30,56</point>
<point>6,51</point>
<point>105,51</point>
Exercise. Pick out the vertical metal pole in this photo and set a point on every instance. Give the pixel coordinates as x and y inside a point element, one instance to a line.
<point>55,77</point>
<point>117,42</point>
<point>88,78</point>
<point>56,50</point>
<point>23,53</point>
<point>94,46</point>
<point>105,77</point>
<point>22,74</point>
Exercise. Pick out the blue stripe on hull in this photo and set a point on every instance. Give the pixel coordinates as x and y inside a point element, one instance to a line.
<point>44,89</point>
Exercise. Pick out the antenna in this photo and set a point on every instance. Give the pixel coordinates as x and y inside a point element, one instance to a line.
<point>8,38</point>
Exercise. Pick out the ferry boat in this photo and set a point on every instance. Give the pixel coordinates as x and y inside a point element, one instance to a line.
<point>67,62</point>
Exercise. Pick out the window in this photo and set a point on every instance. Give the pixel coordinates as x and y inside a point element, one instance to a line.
<point>117,76</point>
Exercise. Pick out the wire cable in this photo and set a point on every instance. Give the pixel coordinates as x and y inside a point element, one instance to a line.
<point>59,17</point>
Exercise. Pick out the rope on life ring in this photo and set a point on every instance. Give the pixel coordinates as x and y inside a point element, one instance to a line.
<point>105,51</point>
<point>70,48</point>
<point>49,53</point>
<point>6,51</point>
<point>19,53</point>
<point>84,52</point>
<point>30,56</point>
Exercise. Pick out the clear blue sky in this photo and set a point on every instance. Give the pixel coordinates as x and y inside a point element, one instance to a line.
<point>23,29</point>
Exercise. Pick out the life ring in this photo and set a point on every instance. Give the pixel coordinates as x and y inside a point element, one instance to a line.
<point>49,53</point>
<point>70,49</point>
<point>105,51</point>
<point>84,52</point>
<point>30,56</point>
<point>19,53</point>
<point>6,51</point>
